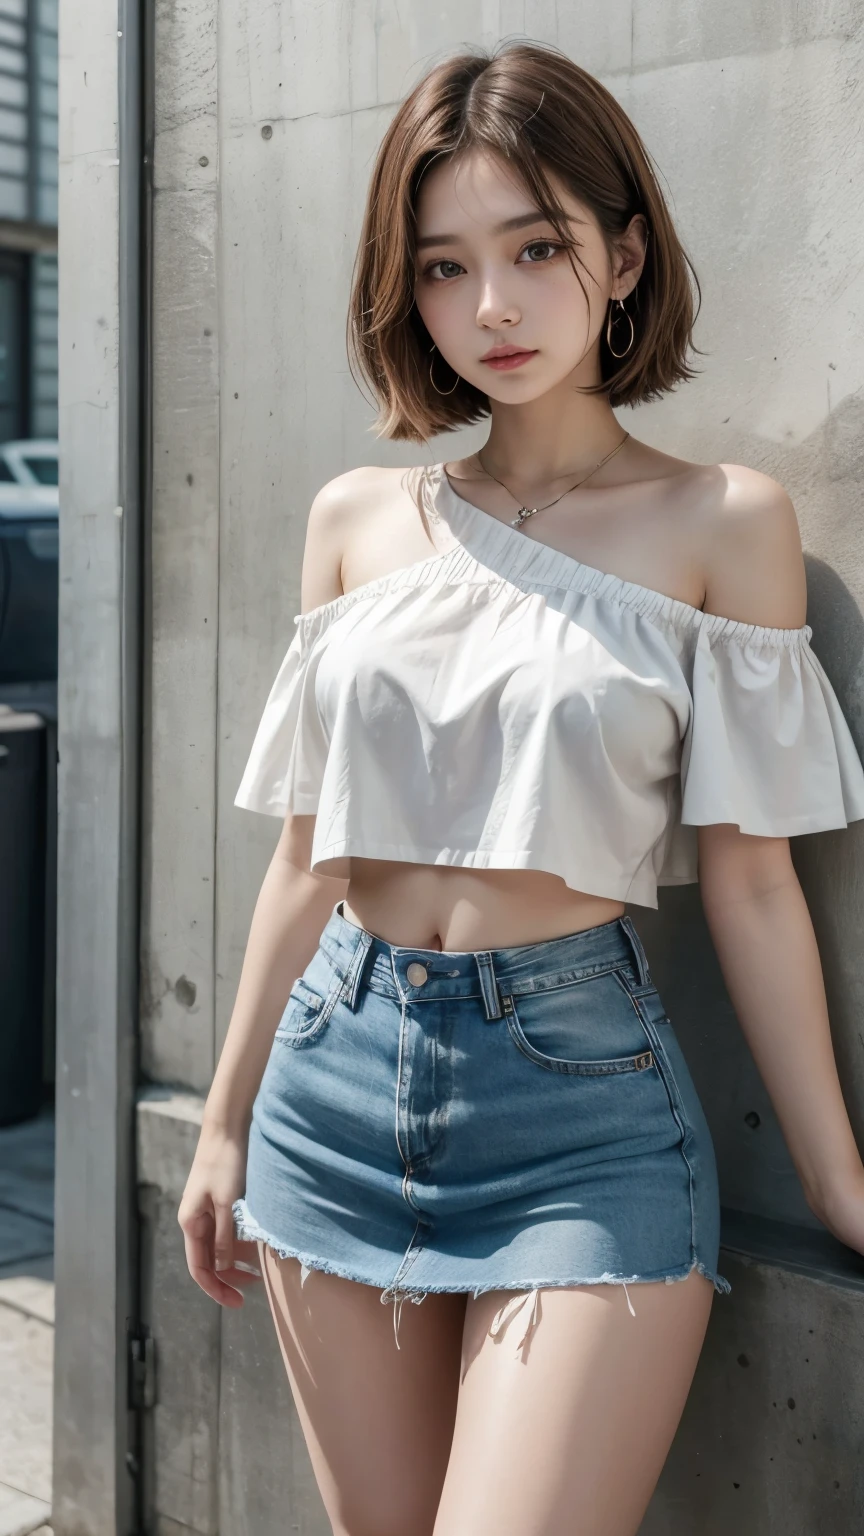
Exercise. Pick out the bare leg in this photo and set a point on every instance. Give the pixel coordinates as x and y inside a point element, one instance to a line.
<point>568,1436</point>
<point>378,1421</point>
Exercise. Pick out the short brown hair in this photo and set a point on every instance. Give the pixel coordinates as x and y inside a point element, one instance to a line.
<point>530,104</point>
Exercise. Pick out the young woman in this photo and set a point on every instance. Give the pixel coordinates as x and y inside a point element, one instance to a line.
<point>525,688</point>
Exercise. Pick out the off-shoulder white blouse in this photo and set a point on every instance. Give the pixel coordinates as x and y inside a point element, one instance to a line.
<point>504,706</point>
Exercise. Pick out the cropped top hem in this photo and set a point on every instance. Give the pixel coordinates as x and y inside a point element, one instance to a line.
<point>502,704</point>
<point>616,888</point>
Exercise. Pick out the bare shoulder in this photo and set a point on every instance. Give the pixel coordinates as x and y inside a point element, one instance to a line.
<point>346,494</point>
<point>344,512</point>
<point>749,544</point>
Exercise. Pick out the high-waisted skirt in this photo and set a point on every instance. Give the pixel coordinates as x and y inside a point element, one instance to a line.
<point>463,1120</point>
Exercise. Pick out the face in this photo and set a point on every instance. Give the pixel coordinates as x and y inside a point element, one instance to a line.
<point>491,274</point>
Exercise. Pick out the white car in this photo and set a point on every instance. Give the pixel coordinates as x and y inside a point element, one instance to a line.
<point>29,475</point>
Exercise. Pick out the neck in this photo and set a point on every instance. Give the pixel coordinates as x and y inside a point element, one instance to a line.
<point>544,441</point>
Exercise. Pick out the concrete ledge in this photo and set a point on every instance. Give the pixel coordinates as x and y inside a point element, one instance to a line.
<point>769,1444</point>
<point>168,1126</point>
<point>807,1251</point>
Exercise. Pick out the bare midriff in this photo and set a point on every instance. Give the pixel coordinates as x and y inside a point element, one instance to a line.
<point>433,906</point>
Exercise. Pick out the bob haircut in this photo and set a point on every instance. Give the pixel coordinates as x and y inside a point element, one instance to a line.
<point>537,110</point>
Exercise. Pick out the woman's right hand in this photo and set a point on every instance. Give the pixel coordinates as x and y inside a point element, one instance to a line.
<point>216,1179</point>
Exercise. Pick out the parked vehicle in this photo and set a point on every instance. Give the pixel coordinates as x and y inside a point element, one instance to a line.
<point>29,554</point>
<point>30,461</point>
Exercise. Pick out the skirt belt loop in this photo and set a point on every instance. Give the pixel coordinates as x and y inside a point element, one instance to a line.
<point>638,949</point>
<point>354,973</point>
<point>488,984</point>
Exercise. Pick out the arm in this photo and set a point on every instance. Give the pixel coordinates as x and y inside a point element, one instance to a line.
<point>292,908</point>
<point>753,903</point>
<point>763,936</point>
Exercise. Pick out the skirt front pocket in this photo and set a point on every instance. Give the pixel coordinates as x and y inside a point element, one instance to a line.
<point>587,1027</point>
<point>310,1003</point>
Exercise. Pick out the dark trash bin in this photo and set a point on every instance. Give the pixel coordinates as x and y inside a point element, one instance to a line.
<point>22,912</point>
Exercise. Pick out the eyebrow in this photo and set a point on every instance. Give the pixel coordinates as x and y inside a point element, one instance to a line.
<point>521,221</point>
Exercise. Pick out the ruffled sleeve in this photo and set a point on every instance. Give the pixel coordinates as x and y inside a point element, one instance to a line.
<point>286,764</point>
<point>768,746</point>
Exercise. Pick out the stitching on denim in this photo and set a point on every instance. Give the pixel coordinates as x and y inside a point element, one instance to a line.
<point>551,980</point>
<point>409,1258</point>
<point>305,998</point>
<point>351,984</point>
<point>638,948</point>
<point>489,990</point>
<point>405,1156</point>
<point>667,1074</point>
<point>611,1067</point>
<point>302,1037</point>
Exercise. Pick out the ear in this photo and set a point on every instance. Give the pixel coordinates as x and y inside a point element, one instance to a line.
<point>629,257</point>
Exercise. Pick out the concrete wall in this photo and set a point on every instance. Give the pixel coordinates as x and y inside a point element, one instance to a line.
<point>98,881</point>
<point>267,121</point>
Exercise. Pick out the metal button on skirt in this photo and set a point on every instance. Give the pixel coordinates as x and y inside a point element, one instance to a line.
<point>514,1119</point>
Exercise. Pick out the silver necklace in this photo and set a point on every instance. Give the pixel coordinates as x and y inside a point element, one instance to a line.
<point>526,512</point>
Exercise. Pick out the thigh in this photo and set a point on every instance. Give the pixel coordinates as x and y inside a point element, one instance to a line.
<point>378,1421</point>
<point>567,1435</point>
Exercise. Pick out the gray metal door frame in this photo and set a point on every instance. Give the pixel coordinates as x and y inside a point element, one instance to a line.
<point>96,1486</point>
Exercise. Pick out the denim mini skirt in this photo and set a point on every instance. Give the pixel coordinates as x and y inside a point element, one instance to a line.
<point>460,1120</point>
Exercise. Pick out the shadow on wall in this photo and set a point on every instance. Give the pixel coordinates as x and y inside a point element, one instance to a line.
<point>838,639</point>
<point>758,1181</point>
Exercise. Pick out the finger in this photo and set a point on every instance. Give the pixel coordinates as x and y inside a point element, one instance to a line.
<point>246,1256</point>
<point>198,1242</point>
<point>223,1245</point>
<point>214,1287</point>
<point>239,1278</point>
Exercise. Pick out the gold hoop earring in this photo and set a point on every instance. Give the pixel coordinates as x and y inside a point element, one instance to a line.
<point>622,311</point>
<point>432,381</point>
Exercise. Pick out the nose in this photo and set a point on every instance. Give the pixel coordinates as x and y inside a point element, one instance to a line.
<point>494,308</point>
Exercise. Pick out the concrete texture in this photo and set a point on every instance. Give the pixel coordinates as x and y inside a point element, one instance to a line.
<point>26,1351</point>
<point>215,1463</point>
<point>770,1442</point>
<point>26,1324</point>
<point>20,1514</point>
<point>178,923</point>
<point>181,1448</point>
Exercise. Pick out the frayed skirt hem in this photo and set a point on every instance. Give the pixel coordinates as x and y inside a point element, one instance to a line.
<point>247,1229</point>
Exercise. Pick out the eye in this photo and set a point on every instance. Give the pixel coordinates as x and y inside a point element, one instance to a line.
<point>428,271</point>
<point>552,246</point>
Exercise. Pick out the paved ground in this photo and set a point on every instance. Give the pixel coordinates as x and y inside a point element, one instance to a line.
<point>26,1325</point>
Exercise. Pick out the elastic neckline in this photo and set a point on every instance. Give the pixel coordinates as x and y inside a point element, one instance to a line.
<point>403,575</point>
<point>519,554</point>
<point>521,551</point>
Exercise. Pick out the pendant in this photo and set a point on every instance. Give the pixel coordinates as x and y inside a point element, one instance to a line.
<point>522,514</point>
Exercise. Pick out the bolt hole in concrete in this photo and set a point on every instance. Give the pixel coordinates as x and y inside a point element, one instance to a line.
<point>26,1324</point>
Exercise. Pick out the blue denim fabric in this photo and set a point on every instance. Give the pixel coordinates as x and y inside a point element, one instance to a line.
<point>512,1119</point>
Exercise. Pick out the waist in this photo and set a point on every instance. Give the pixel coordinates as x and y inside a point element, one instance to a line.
<point>415,973</point>
<point>441,906</point>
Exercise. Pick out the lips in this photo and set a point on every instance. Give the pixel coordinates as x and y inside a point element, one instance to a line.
<point>509,351</point>
<point>504,358</point>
